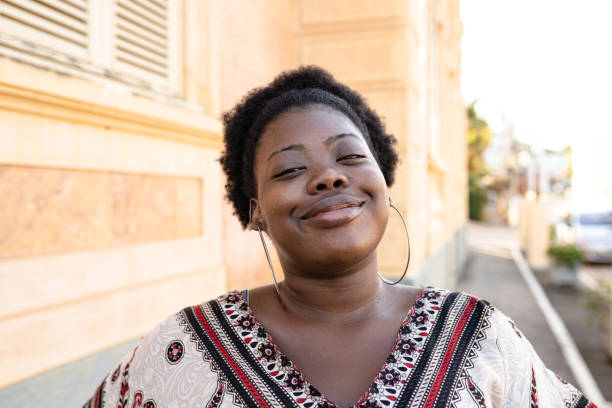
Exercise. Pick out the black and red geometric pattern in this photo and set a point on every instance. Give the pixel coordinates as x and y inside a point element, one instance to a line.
<point>97,401</point>
<point>423,368</point>
<point>475,392</point>
<point>217,397</point>
<point>533,392</point>
<point>433,362</point>
<point>125,387</point>
<point>174,351</point>
<point>516,330</point>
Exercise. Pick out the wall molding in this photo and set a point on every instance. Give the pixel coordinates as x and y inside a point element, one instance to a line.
<point>340,28</point>
<point>29,90</point>
<point>113,291</point>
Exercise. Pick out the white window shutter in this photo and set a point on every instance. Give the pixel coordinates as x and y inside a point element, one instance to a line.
<point>143,41</point>
<point>134,42</point>
<point>60,25</point>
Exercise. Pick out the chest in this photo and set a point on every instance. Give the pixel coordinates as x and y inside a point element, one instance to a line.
<point>308,366</point>
<point>341,362</point>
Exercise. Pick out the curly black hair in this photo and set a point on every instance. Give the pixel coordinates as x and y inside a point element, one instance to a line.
<point>307,85</point>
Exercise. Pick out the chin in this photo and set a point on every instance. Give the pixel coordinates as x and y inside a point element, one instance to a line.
<point>332,248</point>
<point>339,250</point>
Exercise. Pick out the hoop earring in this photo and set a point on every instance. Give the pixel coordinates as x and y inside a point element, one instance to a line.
<point>263,242</point>
<point>388,282</point>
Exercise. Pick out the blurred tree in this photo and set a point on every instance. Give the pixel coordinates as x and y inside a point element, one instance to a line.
<point>479,137</point>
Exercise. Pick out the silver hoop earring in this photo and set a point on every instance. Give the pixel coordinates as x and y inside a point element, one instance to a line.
<point>263,242</point>
<point>388,282</point>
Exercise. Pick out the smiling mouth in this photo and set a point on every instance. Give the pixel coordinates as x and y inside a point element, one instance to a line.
<point>331,208</point>
<point>332,203</point>
<point>334,215</point>
<point>333,211</point>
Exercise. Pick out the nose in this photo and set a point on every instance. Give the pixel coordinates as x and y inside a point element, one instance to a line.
<point>327,179</point>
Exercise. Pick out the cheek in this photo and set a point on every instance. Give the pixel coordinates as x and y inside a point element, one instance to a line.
<point>377,189</point>
<point>278,204</point>
<point>375,184</point>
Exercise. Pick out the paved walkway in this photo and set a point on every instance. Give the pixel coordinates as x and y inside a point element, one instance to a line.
<point>70,385</point>
<point>589,336</point>
<point>493,274</point>
<point>498,280</point>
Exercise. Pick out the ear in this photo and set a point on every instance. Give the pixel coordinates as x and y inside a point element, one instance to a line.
<point>255,218</point>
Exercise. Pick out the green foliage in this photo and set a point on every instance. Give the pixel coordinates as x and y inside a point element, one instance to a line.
<point>477,198</point>
<point>566,254</point>
<point>479,137</point>
<point>599,301</point>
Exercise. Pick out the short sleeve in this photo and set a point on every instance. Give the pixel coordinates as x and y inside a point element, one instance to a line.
<point>165,369</point>
<point>115,386</point>
<point>527,381</point>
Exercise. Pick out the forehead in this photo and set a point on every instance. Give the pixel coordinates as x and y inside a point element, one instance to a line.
<point>306,125</point>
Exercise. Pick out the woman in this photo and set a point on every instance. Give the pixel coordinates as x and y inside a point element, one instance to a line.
<point>308,163</point>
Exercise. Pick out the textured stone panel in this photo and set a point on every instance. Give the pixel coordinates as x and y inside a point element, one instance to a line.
<point>370,58</point>
<point>325,11</point>
<point>45,210</point>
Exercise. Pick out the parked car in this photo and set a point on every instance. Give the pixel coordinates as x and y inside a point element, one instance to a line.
<point>593,235</point>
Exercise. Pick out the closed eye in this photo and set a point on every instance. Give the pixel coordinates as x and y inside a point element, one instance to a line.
<point>352,156</point>
<point>288,171</point>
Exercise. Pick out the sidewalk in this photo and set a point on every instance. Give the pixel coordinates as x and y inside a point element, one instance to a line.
<point>498,280</point>
<point>70,385</point>
<point>492,273</point>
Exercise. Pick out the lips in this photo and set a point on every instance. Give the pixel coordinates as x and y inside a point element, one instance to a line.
<point>332,203</point>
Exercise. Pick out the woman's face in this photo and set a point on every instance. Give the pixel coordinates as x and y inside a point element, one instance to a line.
<point>320,194</point>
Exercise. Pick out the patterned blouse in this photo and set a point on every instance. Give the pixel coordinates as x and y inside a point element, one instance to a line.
<point>452,350</point>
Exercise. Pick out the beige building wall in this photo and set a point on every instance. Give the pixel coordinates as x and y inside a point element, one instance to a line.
<point>404,57</point>
<point>112,213</point>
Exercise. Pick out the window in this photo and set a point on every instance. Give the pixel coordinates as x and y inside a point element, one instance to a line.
<point>136,42</point>
<point>59,24</point>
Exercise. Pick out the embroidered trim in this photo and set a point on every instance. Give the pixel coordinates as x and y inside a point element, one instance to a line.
<point>217,397</point>
<point>98,398</point>
<point>479,336</point>
<point>434,346</point>
<point>533,392</point>
<point>475,392</point>
<point>125,387</point>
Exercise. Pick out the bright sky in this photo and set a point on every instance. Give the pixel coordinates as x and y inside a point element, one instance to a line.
<point>546,65</point>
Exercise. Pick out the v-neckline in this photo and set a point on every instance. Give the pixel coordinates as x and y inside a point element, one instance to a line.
<point>398,364</point>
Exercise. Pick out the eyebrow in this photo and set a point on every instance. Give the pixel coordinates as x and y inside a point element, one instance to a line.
<point>286,148</point>
<point>333,139</point>
<point>328,142</point>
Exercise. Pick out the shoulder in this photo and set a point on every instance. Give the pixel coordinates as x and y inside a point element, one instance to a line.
<point>472,316</point>
<point>169,364</point>
<point>455,301</point>
<point>499,364</point>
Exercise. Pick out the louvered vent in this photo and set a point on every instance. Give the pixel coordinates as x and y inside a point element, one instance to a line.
<point>58,24</point>
<point>142,36</point>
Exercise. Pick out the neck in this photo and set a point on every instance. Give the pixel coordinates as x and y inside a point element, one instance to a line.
<point>353,293</point>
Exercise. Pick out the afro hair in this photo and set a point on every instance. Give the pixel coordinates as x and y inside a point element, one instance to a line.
<point>246,122</point>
